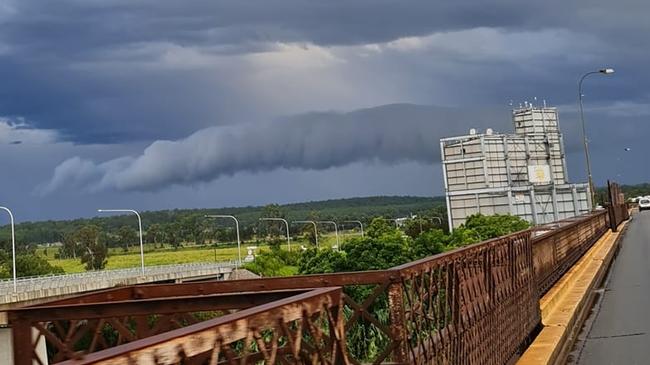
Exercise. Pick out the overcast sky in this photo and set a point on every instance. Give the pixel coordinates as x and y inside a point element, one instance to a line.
<point>176,104</point>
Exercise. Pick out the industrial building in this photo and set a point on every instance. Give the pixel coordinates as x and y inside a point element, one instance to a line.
<point>523,173</point>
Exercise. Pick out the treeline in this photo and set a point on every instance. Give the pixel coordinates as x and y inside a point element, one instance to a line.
<point>630,191</point>
<point>189,225</point>
<point>385,246</point>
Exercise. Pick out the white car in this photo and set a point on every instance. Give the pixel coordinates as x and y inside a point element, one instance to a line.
<point>644,203</point>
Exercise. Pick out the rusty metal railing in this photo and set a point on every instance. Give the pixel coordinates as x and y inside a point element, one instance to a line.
<point>555,251</point>
<point>616,205</point>
<point>474,305</point>
<point>429,309</point>
<point>302,329</point>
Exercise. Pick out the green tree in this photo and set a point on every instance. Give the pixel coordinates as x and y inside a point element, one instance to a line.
<point>154,234</point>
<point>462,236</point>
<point>69,247</point>
<point>192,229</point>
<point>266,264</point>
<point>382,248</point>
<point>312,236</point>
<point>173,235</point>
<point>34,265</point>
<point>492,226</point>
<point>26,265</point>
<point>315,261</point>
<point>414,227</point>
<point>309,234</point>
<point>274,262</point>
<point>429,243</point>
<point>380,227</point>
<point>127,237</point>
<point>274,230</point>
<point>94,253</point>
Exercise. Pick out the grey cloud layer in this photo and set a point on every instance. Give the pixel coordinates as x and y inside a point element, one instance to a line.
<point>317,141</point>
<point>108,78</point>
<point>18,132</point>
<point>114,71</point>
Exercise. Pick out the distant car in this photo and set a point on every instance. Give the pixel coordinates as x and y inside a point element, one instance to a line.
<point>644,204</point>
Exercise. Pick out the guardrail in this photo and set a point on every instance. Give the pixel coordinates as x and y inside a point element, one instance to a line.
<point>148,269</point>
<point>429,309</point>
<point>617,207</point>
<point>477,304</point>
<point>556,250</point>
<point>51,281</point>
<point>304,328</point>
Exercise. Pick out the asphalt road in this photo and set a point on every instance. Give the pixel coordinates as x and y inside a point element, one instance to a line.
<point>618,330</point>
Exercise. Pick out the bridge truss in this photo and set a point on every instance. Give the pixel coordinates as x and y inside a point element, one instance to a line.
<point>474,305</point>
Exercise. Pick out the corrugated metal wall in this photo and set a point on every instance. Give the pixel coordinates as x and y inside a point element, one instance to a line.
<point>558,202</point>
<point>489,173</point>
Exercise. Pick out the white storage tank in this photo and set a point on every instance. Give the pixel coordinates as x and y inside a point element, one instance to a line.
<point>523,174</point>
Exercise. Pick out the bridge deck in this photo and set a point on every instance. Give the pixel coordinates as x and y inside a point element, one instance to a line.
<point>619,330</point>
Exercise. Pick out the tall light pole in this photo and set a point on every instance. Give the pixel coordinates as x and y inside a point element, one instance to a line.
<point>394,220</point>
<point>359,223</point>
<point>336,230</point>
<point>13,242</point>
<point>286,225</point>
<point>604,71</point>
<point>236,227</point>
<point>139,228</point>
<point>315,229</point>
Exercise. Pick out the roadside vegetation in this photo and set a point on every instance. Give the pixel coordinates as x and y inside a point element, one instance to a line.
<point>182,236</point>
<point>385,246</point>
<point>180,226</point>
<point>630,191</point>
<point>195,239</point>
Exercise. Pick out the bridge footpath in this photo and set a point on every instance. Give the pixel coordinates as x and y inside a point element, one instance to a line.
<point>618,331</point>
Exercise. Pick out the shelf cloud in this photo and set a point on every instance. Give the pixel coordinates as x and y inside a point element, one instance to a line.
<point>314,141</point>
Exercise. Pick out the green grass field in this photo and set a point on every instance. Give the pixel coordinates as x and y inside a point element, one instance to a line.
<point>118,259</point>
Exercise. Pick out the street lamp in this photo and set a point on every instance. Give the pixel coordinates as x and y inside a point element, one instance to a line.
<point>139,228</point>
<point>359,223</point>
<point>604,71</point>
<point>394,220</point>
<point>336,230</point>
<point>286,225</point>
<point>438,218</point>
<point>13,243</point>
<point>237,228</point>
<point>315,229</point>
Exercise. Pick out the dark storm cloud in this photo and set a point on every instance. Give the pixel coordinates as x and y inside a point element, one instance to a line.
<point>83,26</point>
<point>111,77</point>
<point>317,141</point>
<point>91,69</point>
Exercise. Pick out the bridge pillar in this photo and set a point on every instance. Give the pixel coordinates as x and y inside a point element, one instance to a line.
<point>7,349</point>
